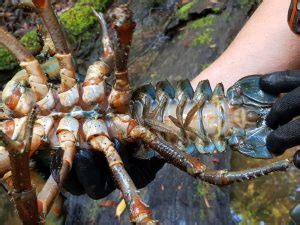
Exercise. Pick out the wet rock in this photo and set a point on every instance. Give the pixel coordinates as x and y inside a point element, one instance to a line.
<point>192,11</point>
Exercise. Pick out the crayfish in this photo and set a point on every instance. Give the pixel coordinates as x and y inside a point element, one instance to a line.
<point>165,122</point>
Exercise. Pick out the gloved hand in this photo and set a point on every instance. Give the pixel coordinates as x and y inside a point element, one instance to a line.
<point>283,115</point>
<point>91,175</point>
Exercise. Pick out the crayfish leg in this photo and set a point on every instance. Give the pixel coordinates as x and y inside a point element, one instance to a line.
<point>224,177</point>
<point>195,168</point>
<point>69,93</point>
<point>24,193</point>
<point>97,135</point>
<point>124,26</point>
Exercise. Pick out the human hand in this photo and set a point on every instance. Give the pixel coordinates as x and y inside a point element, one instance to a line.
<point>91,175</point>
<point>284,115</point>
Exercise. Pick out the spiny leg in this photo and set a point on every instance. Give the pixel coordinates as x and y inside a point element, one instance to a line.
<point>46,12</point>
<point>173,155</point>
<point>47,196</point>
<point>24,194</point>
<point>39,183</point>
<point>93,87</point>
<point>42,127</point>
<point>96,133</point>
<point>224,177</point>
<point>67,133</point>
<point>15,127</point>
<point>124,26</point>
<point>69,95</point>
<point>194,167</point>
<point>138,210</point>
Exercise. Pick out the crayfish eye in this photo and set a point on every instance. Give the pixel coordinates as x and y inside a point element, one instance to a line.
<point>252,116</point>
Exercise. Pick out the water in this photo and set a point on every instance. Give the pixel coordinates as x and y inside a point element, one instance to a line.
<point>268,199</point>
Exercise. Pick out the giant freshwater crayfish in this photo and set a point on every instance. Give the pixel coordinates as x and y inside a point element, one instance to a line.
<point>164,122</point>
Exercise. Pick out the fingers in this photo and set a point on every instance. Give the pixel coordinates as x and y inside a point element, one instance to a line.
<point>284,109</point>
<point>280,82</point>
<point>93,174</point>
<point>284,137</point>
<point>72,184</point>
<point>141,171</point>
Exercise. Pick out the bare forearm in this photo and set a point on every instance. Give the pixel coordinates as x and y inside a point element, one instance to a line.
<point>265,44</point>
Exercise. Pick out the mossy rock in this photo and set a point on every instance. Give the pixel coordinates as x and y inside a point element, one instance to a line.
<point>197,7</point>
<point>203,22</point>
<point>77,21</point>
<point>183,12</point>
<point>204,38</point>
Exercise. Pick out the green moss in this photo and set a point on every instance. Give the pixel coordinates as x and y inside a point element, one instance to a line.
<point>183,12</point>
<point>29,40</point>
<point>202,189</point>
<point>205,31</point>
<point>99,5</point>
<point>204,38</point>
<point>244,4</point>
<point>202,22</point>
<point>78,22</point>
<point>80,18</point>
<point>216,10</point>
<point>7,61</point>
<point>204,66</point>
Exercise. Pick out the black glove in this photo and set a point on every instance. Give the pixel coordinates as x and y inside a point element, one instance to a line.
<point>90,173</point>
<point>283,115</point>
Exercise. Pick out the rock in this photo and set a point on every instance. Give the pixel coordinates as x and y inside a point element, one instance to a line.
<point>192,11</point>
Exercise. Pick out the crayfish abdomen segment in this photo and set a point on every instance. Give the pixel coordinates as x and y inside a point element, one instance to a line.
<point>203,120</point>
